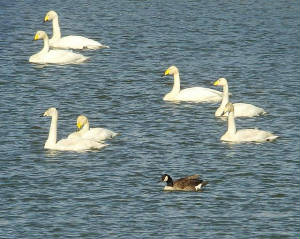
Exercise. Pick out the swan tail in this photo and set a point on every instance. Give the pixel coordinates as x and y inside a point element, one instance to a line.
<point>264,113</point>
<point>100,146</point>
<point>95,47</point>
<point>272,137</point>
<point>82,59</point>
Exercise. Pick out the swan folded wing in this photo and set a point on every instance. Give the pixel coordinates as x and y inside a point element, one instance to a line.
<point>74,135</point>
<point>98,134</point>
<point>254,135</point>
<point>76,42</point>
<point>64,57</point>
<point>78,145</point>
<point>95,134</point>
<point>200,94</point>
<point>58,57</point>
<point>243,109</point>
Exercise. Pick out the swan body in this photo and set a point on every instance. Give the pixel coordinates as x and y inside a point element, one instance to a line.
<point>69,42</point>
<point>244,135</point>
<point>194,94</point>
<point>66,144</point>
<point>189,183</point>
<point>240,109</point>
<point>85,132</point>
<point>46,56</point>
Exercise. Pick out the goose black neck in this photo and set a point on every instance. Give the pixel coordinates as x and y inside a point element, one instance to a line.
<point>170,182</point>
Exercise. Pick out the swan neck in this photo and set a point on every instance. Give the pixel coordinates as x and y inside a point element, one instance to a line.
<point>87,125</point>
<point>231,124</point>
<point>46,45</point>
<point>56,29</point>
<point>225,98</point>
<point>52,137</point>
<point>176,86</point>
<point>85,128</point>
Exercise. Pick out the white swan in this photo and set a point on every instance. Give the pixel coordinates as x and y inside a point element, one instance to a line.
<point>85,132</point>
<point>69,42</point>
<point>46,56</point>
<point>244,135</point>
<point>240,109</point>
<point>194,94</point>
<point>66,144</point>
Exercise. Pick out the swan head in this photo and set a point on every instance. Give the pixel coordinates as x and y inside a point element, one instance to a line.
<point>221,82</point>
<point>50,16</point>
<point>228,108</point>
<point>81,121</point>
<point>50,112</point>
<point>171,71</point>
<point>40,35</point>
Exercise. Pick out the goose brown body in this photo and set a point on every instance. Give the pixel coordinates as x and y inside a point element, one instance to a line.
<point>189,183</point>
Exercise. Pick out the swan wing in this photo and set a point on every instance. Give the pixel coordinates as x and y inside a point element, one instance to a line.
<point>99,134</point>
<point>241,110</point>
<point>254,135</point>
<point>95,134</point>
<point>57,57</point>
<point>76,42</point>
<point>64,57</point>
<point>74,135</point>
<point>78,144</point>
<point>200,94</point>
<point>247,110</point>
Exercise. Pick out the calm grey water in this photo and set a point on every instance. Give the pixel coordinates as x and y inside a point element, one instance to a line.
<point>253,189</point>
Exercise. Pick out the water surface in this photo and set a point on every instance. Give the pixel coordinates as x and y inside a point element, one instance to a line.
<point>253,189</point>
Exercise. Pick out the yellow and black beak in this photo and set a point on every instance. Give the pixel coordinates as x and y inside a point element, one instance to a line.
<point>36,37</point>
<point>167,72</point>
<point>79,125</point>
<point>217,82</point>
<point>46,19</point>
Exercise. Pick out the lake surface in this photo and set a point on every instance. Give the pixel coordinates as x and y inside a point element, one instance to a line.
<point>253,189</point>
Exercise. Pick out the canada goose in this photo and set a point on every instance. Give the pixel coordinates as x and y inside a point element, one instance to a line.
<point>189,183</point>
